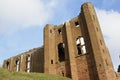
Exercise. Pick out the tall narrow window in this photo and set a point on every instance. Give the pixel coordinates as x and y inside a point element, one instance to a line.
<point>61,52</point>
<point>17,65</point>
<point>8,65</point>
<point>28,63</point>
<point>100,42</point>
<point>59,31</point>
<point>50,30</point>
<point>62,73</point>
<point>79,49</point>
<point>80,45</point>
<point>51,61</point>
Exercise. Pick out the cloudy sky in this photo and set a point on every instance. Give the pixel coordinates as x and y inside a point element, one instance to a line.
<point>22,23</point>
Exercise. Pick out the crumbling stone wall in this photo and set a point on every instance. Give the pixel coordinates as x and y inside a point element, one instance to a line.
<point>21,63</point>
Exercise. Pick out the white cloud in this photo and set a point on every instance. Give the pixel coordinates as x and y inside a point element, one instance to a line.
<point>110,25</point>
<point>17,14</point>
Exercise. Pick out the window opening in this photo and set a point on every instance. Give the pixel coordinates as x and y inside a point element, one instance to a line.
<point>80,41</point>
<point>59,31</point>
<point>79,49</point>
<point>80,45</point>
<point>28,70</point>
<point>50,31</point>
<point>28,63</point>
<point>100,42</point>
<point>8,65</point>
<point>62,73</point>
<point>61,52</point>
<point>51,61</point>
<point>76,24</point>
<point>17,65</point>
<point>106,62</point>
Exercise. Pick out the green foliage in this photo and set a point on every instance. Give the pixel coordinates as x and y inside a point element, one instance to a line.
<point>7,75</point>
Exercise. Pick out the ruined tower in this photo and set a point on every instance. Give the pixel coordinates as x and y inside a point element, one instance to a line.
<point>77,49</point>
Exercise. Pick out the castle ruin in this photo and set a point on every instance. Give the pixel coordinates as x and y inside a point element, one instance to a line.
<point>75,49</point>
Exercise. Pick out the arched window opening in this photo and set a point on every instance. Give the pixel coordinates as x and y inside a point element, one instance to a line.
<point>17,65</point>
<point>80,45</point>
<point>59,31</point>
<point>8,65</point>
<point>28,63</point>
<point>61,52</point>
<point>76,24</point>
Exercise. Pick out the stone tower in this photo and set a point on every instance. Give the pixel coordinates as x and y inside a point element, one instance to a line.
<point>77,49</point>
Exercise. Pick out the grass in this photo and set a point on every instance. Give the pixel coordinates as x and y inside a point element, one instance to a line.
<point>7,75</point>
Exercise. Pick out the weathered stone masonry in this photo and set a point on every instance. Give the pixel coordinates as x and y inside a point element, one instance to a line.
<point>75,49</point>
<point>30,61</point>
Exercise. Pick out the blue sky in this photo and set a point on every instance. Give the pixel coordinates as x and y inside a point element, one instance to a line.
<point>22,23</point>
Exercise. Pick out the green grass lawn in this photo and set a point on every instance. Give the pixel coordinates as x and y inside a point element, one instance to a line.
<point>7,75</point>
